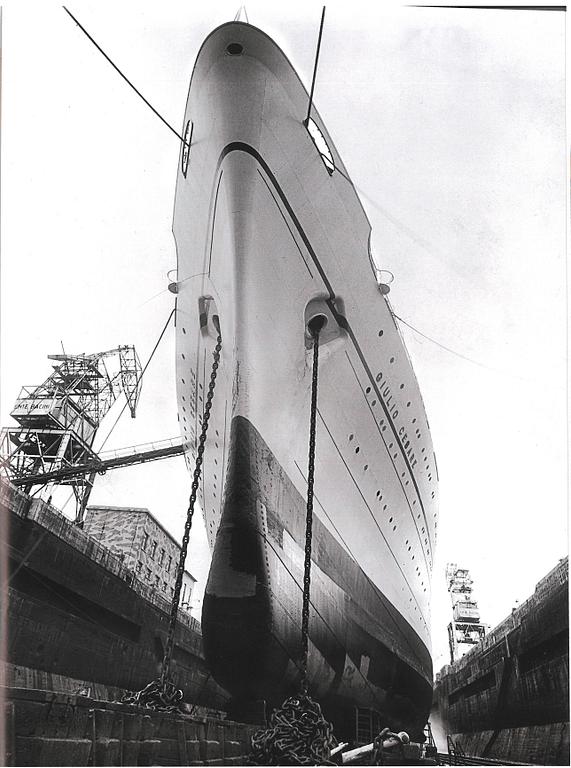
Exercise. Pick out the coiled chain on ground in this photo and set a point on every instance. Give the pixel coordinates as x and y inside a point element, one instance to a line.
<point>157,696</point>
<point>298,734</point>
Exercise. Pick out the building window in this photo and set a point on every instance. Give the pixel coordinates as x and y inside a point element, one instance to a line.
<point>154,549</point>
<point>170,564</point>
<point>157,581</point>
<point>164,586</point>
<point>148,574</point>
<point>139,567</point>
<point>161,561</point>
<point>145,542</point>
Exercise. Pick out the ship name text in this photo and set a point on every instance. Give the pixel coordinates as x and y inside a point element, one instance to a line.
<point>391,405</point>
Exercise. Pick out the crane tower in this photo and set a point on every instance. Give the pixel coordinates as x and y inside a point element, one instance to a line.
<point>58,420</point>
<point>465,629</point>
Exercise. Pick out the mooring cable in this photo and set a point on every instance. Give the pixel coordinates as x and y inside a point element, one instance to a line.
<point>126,79</point>
<point>162,333</point>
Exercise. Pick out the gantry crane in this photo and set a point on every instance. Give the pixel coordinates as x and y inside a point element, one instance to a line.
<point>58,420</point>
<point>465,629</point>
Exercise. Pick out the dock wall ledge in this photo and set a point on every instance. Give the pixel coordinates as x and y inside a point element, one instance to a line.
<point>550,583</point>
<point>55,522</point>
<point>531,745</point>
<point>57,729</point>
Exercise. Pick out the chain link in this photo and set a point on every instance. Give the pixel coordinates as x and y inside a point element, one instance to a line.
<point>190,512</point>
<point>298,734</point>
<point>314,329</point>
<point>159,698</point>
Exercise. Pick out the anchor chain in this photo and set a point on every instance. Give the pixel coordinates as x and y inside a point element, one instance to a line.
<point>162,694</point>
<point>315,326</point>
<point>190,512</point>
<point>298,733</point>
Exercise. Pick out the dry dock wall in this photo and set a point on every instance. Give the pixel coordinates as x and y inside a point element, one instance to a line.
<point>538,745</point>
<point>50,729</point>
<point>508,698</point>
<point>75,611</point>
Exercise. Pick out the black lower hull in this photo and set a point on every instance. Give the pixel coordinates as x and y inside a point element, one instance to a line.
<point>362,652</point>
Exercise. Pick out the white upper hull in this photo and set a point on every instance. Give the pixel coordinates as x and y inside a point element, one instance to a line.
<point>266,237</point>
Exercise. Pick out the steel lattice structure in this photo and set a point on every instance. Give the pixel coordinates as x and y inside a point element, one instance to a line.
<point>58,419</point>
<point>466,628</point>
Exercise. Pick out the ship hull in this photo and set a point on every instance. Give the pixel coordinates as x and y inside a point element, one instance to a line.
<point>361,650</point>
<point>267,238</point>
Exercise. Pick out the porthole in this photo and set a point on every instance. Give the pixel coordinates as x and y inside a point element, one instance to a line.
<point>368,390</point>
<point>390,519</point>
<point>183,357</point>
<point>365,468</point>
<point>379,376</point>
<point>374,402</point>
<point>408,404</point>
<point>402,386</point>
<point>392,360</point>
<point>351,437</point>
<point>381,333</point>
<point>183,381</point>
<point>394,527</point>
<point>357,449</point>
<point>184,330</point>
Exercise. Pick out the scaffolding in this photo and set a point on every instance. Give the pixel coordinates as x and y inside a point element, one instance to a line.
<point>465,629</point>
<point>58,420</point>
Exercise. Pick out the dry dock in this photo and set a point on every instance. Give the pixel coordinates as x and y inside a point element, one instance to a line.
<point>508,697</point>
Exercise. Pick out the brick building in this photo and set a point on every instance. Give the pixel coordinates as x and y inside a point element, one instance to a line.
<point>145,546</point>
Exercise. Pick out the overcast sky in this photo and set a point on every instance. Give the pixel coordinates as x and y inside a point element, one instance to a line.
<point>451,124</point>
